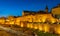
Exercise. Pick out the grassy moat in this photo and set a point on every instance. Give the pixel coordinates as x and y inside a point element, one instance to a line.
<point>25,31</point>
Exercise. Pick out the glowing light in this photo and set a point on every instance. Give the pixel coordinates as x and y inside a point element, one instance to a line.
<point>40,27</point>
<point>22,25</point>
<point>46,28</point>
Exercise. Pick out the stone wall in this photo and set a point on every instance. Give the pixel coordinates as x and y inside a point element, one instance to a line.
<point>33,21</point>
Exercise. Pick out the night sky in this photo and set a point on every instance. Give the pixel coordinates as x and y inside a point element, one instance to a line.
<point>15,7</point>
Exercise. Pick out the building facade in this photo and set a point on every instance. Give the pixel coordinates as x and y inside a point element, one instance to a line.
<point>56,11</point>
<point>42,20</point>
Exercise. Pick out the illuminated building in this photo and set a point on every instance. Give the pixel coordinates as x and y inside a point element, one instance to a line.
<point>42,20</point>
<point>56,11</point>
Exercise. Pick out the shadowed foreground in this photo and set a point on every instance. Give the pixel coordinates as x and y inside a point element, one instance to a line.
<point>14,30</point>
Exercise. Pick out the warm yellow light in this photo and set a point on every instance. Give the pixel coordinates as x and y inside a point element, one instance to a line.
<point>46,28</point>
<point>22,25</point>
<point>27,25</point>
<point>11,22</point>
<point>35,26</point>
<point>40,27</point>
<point>57,29</point>
<point>31,25</point>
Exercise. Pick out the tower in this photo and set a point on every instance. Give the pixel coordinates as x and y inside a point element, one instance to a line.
<point>46,9</point>
<point>58,5</point>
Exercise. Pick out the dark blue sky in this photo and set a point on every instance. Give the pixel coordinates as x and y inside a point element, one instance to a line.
<point>15,7</point>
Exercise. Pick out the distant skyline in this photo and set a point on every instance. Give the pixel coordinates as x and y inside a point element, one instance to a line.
<point>15,7</point>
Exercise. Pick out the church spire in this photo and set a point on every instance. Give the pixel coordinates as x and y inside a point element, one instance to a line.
<point>46,9</point>
<point>58,5</point>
